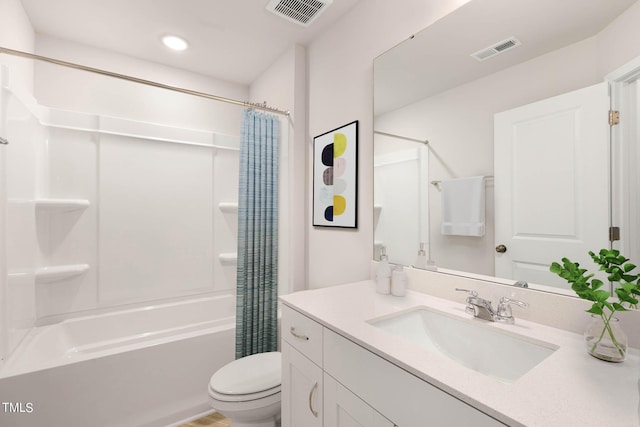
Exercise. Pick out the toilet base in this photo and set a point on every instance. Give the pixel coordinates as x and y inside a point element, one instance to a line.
<point>263,412</point>
<point>263,423</point>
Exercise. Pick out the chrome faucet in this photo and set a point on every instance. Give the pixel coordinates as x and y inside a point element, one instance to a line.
<point>482,308</point>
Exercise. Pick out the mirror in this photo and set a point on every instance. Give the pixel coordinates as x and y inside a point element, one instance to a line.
<point>430,88</point>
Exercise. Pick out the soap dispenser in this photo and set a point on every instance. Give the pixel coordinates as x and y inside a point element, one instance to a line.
<point>421,260</point>
<point>399,281</point>
<point>383,276</point>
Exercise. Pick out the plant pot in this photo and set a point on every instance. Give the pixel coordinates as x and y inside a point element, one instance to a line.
<point>605,339</point>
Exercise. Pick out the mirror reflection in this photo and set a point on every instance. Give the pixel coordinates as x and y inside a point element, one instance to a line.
<point>492,139</point>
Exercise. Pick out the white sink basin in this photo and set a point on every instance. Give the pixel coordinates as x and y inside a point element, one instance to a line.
<point>470,342</point>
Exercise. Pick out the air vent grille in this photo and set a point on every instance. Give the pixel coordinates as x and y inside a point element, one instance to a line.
<point>302,12</point>
<point>496,48</point>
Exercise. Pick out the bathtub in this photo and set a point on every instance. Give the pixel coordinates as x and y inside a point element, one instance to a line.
<point>147,366</point>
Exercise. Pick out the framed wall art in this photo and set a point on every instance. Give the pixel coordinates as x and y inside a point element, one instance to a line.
<point>335,177</point>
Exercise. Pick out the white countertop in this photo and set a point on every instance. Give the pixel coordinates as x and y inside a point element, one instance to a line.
<point>569,388</point>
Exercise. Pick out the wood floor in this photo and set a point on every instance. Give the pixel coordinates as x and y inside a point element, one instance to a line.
<point>212,420</point>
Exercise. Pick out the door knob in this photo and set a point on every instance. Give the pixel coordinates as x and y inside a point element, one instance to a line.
<point>501,249</point>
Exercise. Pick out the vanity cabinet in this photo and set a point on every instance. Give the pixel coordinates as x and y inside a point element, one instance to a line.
<point>328,380</point>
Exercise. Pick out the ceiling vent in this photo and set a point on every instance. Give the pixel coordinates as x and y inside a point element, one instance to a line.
<point>302,12</point>
<point>497,48</point>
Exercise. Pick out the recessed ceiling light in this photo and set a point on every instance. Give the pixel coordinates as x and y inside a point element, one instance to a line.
<point>175,42</point>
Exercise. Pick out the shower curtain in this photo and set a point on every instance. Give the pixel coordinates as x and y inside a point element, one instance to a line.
<point>257,278</point>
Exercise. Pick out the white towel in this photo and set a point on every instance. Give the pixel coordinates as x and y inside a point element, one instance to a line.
<point>463,206</point>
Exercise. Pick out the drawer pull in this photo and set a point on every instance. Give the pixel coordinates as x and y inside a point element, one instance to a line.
<point>300,337</point>
<point>311,393</point>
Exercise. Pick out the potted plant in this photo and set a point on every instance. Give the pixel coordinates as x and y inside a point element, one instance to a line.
<point>604,338</point>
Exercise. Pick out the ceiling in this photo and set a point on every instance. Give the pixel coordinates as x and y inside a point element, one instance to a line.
<point>232,40</point>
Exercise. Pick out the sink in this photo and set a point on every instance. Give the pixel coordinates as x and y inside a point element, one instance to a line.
<point>471,342</point>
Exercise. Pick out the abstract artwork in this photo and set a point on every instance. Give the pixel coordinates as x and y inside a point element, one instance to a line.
<point>335,177</point>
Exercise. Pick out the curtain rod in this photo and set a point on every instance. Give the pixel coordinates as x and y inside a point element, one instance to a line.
<point>142,81</point>
<point>393,135</point>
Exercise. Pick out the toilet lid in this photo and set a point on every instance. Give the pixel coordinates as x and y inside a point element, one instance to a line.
<point>251,374</point>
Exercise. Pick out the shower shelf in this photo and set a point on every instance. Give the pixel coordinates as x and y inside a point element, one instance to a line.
<point>60,272</point>
<point>61,205</point>
<point>228,207</point>
<point>228,258</point>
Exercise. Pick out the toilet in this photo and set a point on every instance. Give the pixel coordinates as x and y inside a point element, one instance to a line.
<point>247,390</point>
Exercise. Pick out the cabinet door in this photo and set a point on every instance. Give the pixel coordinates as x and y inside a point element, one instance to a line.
<point>342,408</point>
<point>301,390</point>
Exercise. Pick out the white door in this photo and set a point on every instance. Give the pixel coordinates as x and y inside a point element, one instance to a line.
<point>551,184</point>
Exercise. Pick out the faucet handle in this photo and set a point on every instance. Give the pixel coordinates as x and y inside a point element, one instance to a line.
<point>507,301</point>
<point>469,309</point>
<point>505,314</point>
<point>472,293</point>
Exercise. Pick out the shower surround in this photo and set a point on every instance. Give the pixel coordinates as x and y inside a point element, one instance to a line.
<point>120,258</point>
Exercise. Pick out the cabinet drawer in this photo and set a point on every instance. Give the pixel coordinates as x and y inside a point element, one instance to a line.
<point>303,334</point>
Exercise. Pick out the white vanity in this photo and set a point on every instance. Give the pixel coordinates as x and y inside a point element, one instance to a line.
<point>353,357</point>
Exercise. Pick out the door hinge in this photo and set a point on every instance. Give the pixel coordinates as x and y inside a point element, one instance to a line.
<point>614,117</point>
<point>614,234</point>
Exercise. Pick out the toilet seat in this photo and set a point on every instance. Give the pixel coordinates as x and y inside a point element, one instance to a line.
<point>243,397</point>
<point>249,378</point>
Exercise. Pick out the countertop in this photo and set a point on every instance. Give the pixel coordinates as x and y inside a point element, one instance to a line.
<point>569,388</point>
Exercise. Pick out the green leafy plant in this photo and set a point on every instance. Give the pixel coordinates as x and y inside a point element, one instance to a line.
<point>583,283</point>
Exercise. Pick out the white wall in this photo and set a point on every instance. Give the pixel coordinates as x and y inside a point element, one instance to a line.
<point>283,85</point>
<point>340,90</point>
<point>618,42</point>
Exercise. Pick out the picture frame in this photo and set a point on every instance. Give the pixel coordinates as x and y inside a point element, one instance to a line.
<point>335,177</point>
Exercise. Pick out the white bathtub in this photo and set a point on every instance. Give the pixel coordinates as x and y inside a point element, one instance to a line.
<point>147,366</point>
